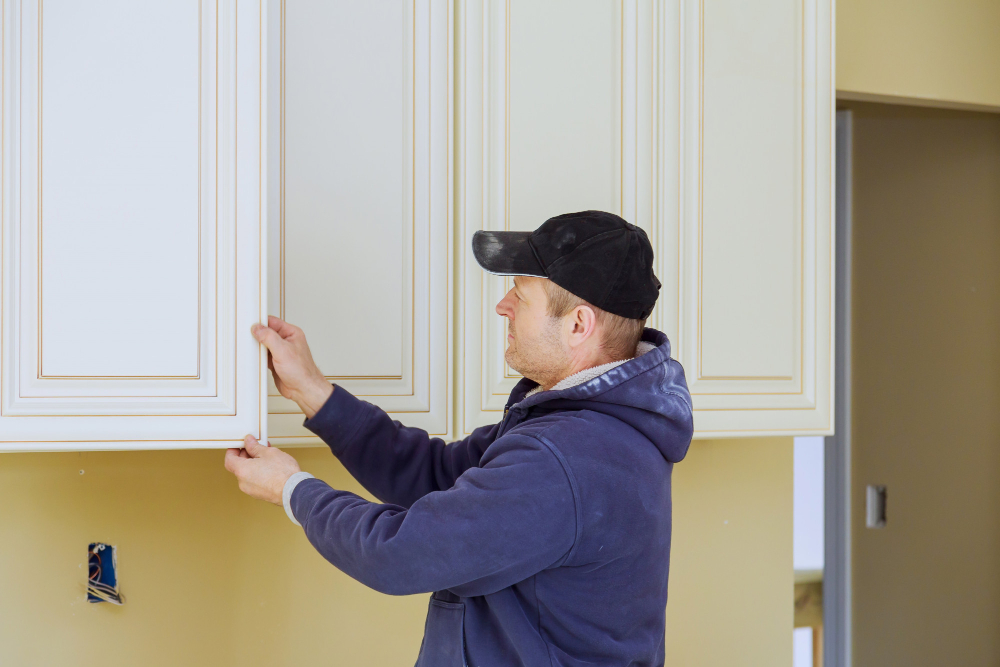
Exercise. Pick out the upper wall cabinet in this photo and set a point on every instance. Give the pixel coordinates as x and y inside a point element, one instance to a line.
<point>361,245</point>
<point>145,145</point>
<point>709,125</point>
<point>132,243</point>
<point>756,230</point>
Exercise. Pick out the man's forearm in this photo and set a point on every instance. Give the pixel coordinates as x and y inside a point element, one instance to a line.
<point>313,398</point>
<point>526,520</point>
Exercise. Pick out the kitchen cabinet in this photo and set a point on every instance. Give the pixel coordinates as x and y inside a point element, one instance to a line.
<point>756,230</point>
<point>182,169</point>
<point>132,227</point>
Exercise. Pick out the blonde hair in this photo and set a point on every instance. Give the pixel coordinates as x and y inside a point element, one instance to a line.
<point>619,335</point>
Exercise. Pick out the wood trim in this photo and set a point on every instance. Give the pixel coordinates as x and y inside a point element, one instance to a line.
<point>809,604</point>
<point>837,574</point>
<point>880,98</point>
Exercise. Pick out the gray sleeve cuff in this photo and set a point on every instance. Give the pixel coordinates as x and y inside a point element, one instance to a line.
<point>286,494</point>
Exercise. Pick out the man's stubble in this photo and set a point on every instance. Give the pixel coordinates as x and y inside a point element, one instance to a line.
<point>540,359</point>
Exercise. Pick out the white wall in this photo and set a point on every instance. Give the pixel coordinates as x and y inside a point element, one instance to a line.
<point>808,512</point>
<point>802,647</point>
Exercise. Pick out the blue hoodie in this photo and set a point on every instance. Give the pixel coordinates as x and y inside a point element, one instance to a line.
<point>546,537</point>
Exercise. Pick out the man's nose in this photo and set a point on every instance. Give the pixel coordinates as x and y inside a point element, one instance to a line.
<point>504,308</point>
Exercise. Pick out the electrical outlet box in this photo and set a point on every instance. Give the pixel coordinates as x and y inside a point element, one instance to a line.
<point>102,574</point>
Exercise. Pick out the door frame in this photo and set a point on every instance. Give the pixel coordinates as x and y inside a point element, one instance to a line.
<point>837,450</point>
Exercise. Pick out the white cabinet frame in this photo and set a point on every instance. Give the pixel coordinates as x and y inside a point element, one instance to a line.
<point>218,397</point>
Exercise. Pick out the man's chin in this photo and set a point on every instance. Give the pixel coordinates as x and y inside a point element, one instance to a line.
<point>511,358</point>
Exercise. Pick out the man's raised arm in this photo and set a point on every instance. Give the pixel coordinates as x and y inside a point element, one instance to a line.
<point>396,464</point>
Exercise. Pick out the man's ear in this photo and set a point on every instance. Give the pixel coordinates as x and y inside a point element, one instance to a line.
<point>584,322</point>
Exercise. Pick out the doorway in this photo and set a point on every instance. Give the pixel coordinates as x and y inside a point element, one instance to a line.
<point>918,395</point>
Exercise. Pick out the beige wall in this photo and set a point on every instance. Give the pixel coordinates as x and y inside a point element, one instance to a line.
<point>731,579</point>
<point>938,50</point>
<point>214,578</point>
<point>927,385</point>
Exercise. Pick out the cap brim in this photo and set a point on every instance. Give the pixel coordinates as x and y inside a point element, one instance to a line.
<point>506,253</point>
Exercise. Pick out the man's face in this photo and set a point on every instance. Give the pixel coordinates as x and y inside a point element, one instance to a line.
<point>534,342</point>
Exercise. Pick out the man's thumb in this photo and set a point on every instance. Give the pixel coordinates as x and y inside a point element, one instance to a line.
<point>254,448</point>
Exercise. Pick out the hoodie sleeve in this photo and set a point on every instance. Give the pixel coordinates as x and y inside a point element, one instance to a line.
<point>499,524</point>
<point>395,463</point>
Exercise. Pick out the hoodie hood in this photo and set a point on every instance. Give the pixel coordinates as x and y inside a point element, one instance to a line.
<point>649,393</point>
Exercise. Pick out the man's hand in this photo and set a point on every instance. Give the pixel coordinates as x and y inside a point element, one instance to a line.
<point>295,373</point>
<point>261,471</point>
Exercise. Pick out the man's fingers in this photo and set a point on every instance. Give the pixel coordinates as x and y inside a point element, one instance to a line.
<point>233,460</point>
<point>269,337</point>
<point>283,328</point>
<point>275,323</point>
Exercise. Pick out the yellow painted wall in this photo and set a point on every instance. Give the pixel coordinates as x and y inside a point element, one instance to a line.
<point>926,385</point>
<point>935,50</point>
<point>731,578</point>
<point>214,578</point>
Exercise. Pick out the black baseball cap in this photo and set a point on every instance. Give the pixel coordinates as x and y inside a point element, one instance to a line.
<point>595,255</point>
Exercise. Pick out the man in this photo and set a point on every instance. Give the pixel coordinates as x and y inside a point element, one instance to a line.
<point>545,538</point>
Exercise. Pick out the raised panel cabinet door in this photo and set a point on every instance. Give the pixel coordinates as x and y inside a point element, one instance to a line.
<point>564,105</point>
<point>132,243</point>
<point>360,206</point>
<point>756,233</point>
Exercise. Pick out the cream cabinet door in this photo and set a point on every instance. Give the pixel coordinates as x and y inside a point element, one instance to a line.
<point>361,237</point>
<point>132,243</point>
<point>756,248</point>
<point>709,125</point>
<point>543,91</point>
